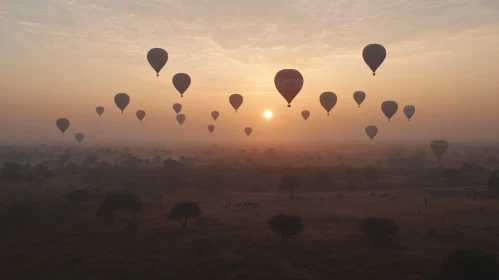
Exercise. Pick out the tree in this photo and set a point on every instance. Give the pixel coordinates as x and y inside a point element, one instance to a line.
<point>286,225</point>
<point>371,175</point>
<point>11,172</point>
<point>467,264</point>
<point>77,197</point>
<point>455,176</point>
<point>183,211</point>
<point>116,200</point>
<point>379,230</point>
<point>290,184</point>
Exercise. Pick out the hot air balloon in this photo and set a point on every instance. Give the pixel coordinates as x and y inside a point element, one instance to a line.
<point>211,128</point>
<point>248,130</point>
<point>439,147</point>
<point>236,100</point>
<point>374,55</point>
<point>122,100</point>
<point>215,115</point>
<point>328,100</point>
<point>180,118</point>
<point>371,131</point>
<point>62,124</point>
<point>157,58</point>
<point>177,107</point>
<point>409,111</point>
<point>305,114</point>
<point>359,97</point>
<point>140,115</point>
<point>79,137</point>
<point>389,108</point>
<point>99,110</point>
<point>288,82</point>
<point>181,81</point>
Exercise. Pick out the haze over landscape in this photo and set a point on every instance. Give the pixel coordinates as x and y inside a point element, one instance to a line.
<point>64,58</point>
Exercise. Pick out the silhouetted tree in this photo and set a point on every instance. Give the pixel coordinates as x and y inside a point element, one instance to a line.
<point>379,230</point>
<point>286,225</point>
<point>467,264</point>
<point>77,197</point>
<point>290,184</point>
<point>11,172</point>
<point>116,200</point>
<point>371,175</point>
<point>183,211</point>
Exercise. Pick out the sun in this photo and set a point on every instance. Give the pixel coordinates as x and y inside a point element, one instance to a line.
<point>267,114</point>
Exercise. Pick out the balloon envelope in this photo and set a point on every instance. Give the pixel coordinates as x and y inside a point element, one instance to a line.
<point>371,131</point>
<point>374,55</point>
<point>157,58</point>
<point>79,137</point>
<point>211,128</point>
<point>305,114</point>
<point>180,118</point>
<point>99,110</point>
<point>215,115</point>
<point>439,147</point>
<point>122,100</point>
<point>140,114</point>
<point>389,108</point>
<point>177,107</point>
<point>289,83</point>
<point>62,124</point>
<point>328,100</point>
<point>248,130</point>
<point>181,81</point>
<point>359,97</point>
<point>409,111</point>
<point>236,100</point>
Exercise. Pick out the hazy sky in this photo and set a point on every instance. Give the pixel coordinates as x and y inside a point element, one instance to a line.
<point>62,58</point>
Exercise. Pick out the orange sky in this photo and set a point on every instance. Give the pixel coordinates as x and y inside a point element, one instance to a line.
<point>66,58</point>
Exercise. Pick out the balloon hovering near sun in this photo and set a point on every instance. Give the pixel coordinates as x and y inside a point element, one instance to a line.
<point>267,114</point>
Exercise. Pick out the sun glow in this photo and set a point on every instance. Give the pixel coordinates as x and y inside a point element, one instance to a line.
<point>267,114</point>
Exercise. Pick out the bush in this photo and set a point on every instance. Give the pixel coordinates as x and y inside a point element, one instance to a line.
<point>116,200</point>
<point>77,197</point>
<point>290,184</point>
<point>379,230</point>
<point>286,225</point>
<point>469,264</point>
<point>183,211</point>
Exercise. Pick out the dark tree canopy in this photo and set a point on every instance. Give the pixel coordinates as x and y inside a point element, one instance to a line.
<point>11,172</point>
<point>379,230</point>
<point>116,200</point>
<point>286,225</point>
<point>289,183</point>
<point>467,264</point>
<point>183,211</point>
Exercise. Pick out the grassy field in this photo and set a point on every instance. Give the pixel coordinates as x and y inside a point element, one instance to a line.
<point>225,244</point>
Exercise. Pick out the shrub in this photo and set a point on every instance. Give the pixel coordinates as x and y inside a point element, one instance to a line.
<point>469,264</point>
<point>116,200</point>
<point>286,225</point>
<point>379,230</point>
<point>183,211</point>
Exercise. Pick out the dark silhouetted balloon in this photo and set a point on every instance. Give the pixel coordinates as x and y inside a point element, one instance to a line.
<point>371,131</point>
<point>140,115</point>
<point>305,114</point>
<point>374,55</point>
<point>248,130</point>
<point>409,111</point>
<point>62,124</point>
<point>289,83</point>
<point>181,81</point>
<point>180,118</point>
<point>215,115</point>
<point>122,100</point>
<point>389,108</point>
<point>211,128</point>
<point>439,147</point>
<point>177,107</point>
<point>236,100</point>
<point>157,57</point>
<point>328,100</point>
<point>359,97</point>
<point>79,137</point>
<point>99,110</point>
